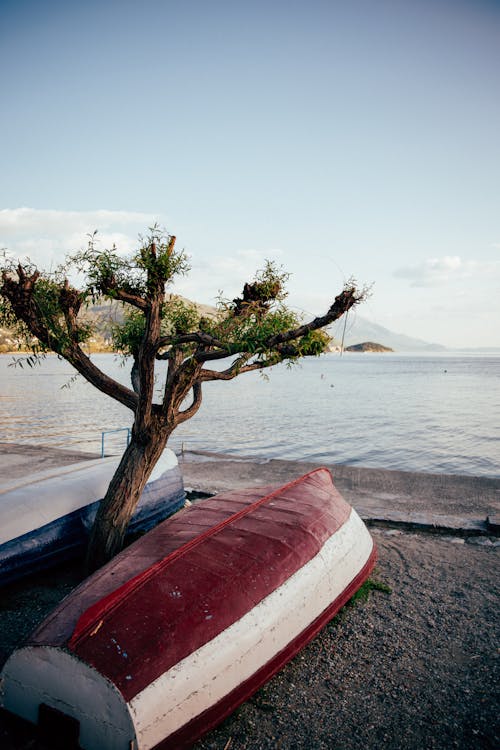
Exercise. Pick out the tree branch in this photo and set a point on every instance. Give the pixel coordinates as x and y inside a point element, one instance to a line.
<point>111,288</point>
<point>196,337</point>
<point>94,375</point>
<point>232,372</point>
<point>146,362</point>
<point>20,294</point>
<point>343,302</point>
<point>182,416</point>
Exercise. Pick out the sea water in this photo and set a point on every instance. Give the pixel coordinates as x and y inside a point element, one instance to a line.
<point>431,413</point>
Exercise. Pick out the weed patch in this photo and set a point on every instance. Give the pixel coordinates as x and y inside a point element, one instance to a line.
<point>364,591</point>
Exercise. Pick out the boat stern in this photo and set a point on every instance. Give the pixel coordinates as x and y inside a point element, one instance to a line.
<point>56,691</point>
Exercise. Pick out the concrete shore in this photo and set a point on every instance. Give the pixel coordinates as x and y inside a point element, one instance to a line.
<point>416,668</point>
<point>444,503</point>
<point>466,505</point>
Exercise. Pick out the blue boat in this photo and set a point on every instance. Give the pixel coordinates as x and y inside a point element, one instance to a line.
<point>46,517</point>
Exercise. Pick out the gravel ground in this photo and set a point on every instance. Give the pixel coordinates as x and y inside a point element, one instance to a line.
<point>416,668</point>
<point>413,669</point>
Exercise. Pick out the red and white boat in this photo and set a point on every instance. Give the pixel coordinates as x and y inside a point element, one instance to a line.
<point>173,634</point>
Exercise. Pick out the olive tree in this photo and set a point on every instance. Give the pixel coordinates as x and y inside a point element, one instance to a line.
<point>252,332</point>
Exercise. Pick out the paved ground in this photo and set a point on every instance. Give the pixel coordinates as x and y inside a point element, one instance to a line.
<point>442,501</point>
<point>18,461</point>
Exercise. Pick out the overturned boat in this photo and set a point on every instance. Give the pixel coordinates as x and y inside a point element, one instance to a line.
<point>168,638</point>
<point>46,517</point>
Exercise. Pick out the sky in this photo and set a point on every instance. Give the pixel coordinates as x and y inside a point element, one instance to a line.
<point>339,139</point>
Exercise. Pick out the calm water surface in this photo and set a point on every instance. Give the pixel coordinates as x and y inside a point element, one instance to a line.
<point>418,413</point>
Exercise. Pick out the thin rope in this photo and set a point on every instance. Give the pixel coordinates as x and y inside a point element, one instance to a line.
<point>343,334</point>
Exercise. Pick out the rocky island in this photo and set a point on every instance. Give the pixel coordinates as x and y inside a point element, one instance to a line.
<point>368,346</point>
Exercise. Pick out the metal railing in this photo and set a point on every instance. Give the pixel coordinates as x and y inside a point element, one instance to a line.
<point>109,432</point>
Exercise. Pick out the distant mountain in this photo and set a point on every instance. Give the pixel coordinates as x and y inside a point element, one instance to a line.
<point>360,329</point>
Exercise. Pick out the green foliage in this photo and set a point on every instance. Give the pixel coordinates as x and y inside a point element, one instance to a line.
<point>251,328</point>
<point>179,317</point>
<point>312,344</point>
<point>245,325</point>
<point>156,263</point>
<point>249,332</point>
<point>270,283</point>
<point>31,360</point>
<point>48,300</point>
<point>158,260</point>
<point>9,320</point>
<point>106,272</point>
<point>127,336</point>
<point>364,591</point>
<point>7,316</point>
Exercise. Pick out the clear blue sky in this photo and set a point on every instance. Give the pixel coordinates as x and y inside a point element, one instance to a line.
<point>340,138</point>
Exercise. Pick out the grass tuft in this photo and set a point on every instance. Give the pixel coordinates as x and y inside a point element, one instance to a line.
<point>364,591</point>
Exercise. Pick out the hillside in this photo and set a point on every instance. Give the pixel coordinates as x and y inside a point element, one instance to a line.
<point>358,330</point>
<point>103,317</point>
<point>7,341</point>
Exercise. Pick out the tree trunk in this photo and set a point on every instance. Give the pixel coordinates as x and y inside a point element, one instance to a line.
<point>123,494</point>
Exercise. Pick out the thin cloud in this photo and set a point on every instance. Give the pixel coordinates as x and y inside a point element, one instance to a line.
<point>438,271</point>
<point>46,235</point>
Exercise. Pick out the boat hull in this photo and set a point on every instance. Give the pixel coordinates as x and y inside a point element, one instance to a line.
<point>46,518</point>
<point>191,632</point>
